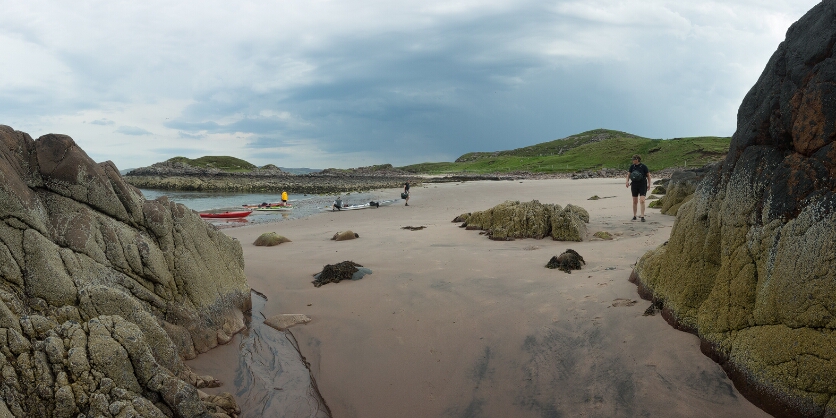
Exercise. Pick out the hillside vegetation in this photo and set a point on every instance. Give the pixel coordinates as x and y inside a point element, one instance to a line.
<point>224,163</point>
<point>600,148</point>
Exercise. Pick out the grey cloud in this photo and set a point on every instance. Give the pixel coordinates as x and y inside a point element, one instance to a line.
<point>440,84</point>
<point>185,135</point>
<point>103,122</point>
<point>132,130</point>
<point>166,153</point>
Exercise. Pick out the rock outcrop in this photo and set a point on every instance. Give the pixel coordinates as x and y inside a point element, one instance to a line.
<point>172,175</point>
<point>750,264</point>
<point>680,188</point>
<point>105,293</point>
<point>512,219</point>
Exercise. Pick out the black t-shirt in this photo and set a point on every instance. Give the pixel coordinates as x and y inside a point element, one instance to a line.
<point>406,187</point>
<point>641,167</point>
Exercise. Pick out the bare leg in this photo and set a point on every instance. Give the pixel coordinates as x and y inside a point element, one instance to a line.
<point>642,201</point>
<point>635,204</point>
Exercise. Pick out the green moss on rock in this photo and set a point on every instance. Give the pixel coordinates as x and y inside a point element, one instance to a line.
<point>513,219</point>
<point>269,239</point>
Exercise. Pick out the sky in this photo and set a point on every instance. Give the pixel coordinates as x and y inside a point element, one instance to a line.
<point>350,83</point>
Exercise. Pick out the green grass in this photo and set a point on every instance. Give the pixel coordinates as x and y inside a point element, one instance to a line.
<point>224,163</point>
<point>586,151</point>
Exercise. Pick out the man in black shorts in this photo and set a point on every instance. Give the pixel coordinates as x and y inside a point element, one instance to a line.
<point>638,178</point>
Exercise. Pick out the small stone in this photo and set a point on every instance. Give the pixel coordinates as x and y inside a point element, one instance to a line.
<point>284,321</point>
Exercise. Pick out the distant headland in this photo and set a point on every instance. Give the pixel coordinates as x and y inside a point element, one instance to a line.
<point>595,153</point>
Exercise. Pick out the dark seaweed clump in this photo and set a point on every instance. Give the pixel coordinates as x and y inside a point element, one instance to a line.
<point>568,261</point>
<point>334,273</point>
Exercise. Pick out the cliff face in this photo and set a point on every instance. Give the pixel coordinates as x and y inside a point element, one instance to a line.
<point>104,293</point>
<point>751,263</point>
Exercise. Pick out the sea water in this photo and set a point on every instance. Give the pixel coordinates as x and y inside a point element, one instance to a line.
<point>303,204</point>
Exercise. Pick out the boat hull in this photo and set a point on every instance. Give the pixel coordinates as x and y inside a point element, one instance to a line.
<point>226,215</point>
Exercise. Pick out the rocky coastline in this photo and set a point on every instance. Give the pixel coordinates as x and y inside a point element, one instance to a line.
<point>180,176</point>
<point>749,267</point>
<point>104,294</point>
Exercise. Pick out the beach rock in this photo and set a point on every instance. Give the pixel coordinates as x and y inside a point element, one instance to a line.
<point>603,235</point>
<point>462,218</point>
<point>681,187</point>
<point>602,173</point>
<point>750,264</point>
<point>569,224</point>
<point>96,282</point>
<point>344,236</point>
<point>269,239</point>
<point>512,219</point>
<point>566,262</point>
<point>284,321</point>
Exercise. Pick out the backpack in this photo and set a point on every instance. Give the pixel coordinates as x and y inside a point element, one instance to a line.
<point>636,175</point>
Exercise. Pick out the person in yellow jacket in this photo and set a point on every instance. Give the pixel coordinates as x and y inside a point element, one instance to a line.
<point>284,198</point>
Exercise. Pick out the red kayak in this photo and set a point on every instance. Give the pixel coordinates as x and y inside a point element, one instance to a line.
<point>226,215</point>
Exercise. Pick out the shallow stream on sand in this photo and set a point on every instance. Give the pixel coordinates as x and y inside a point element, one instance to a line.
<point>271,378</point>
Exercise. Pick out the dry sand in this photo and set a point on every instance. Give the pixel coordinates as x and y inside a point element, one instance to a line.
<point>453,324</point>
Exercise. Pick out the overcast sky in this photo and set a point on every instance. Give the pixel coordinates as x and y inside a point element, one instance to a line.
<point>348,83</point>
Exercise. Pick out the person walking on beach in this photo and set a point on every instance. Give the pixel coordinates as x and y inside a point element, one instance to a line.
<point>406,193</point>
<point>638,179</point>
<point>338,204</point>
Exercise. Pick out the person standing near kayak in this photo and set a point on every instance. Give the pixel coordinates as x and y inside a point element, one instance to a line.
<point>638,178</point>
<point>284,198</point>
<point>406,193</point>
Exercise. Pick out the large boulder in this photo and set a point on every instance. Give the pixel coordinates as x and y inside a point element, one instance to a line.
<point>513,219</point>
<point>103,293</point>
<point>680,188</point>
<point>750,263</point>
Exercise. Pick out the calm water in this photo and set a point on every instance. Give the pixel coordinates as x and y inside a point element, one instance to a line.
<point>303,205</point>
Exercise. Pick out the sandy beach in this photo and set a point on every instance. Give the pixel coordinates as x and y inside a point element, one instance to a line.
<point>452,324</point>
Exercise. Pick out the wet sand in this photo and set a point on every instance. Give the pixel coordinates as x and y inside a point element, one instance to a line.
<point>451,324</point>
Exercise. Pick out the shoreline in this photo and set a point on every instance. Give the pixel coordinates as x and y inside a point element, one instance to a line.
<point>452,324</point>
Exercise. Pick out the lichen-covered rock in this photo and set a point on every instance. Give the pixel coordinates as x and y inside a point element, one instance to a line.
<point>568,224</point>
<point>681,187</point>
<point>513,219</point>
<point>750,263</point>
<point>345,236</point>
<point>101,291</point>
<point>603,235</point>
<point>269,239</point>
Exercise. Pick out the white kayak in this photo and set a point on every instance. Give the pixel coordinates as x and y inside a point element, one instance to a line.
<point>365,205</point>
<point>277,208</point>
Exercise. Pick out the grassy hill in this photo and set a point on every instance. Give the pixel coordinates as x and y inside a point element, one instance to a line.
<point>224,163</point>
<point>586,151</point>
